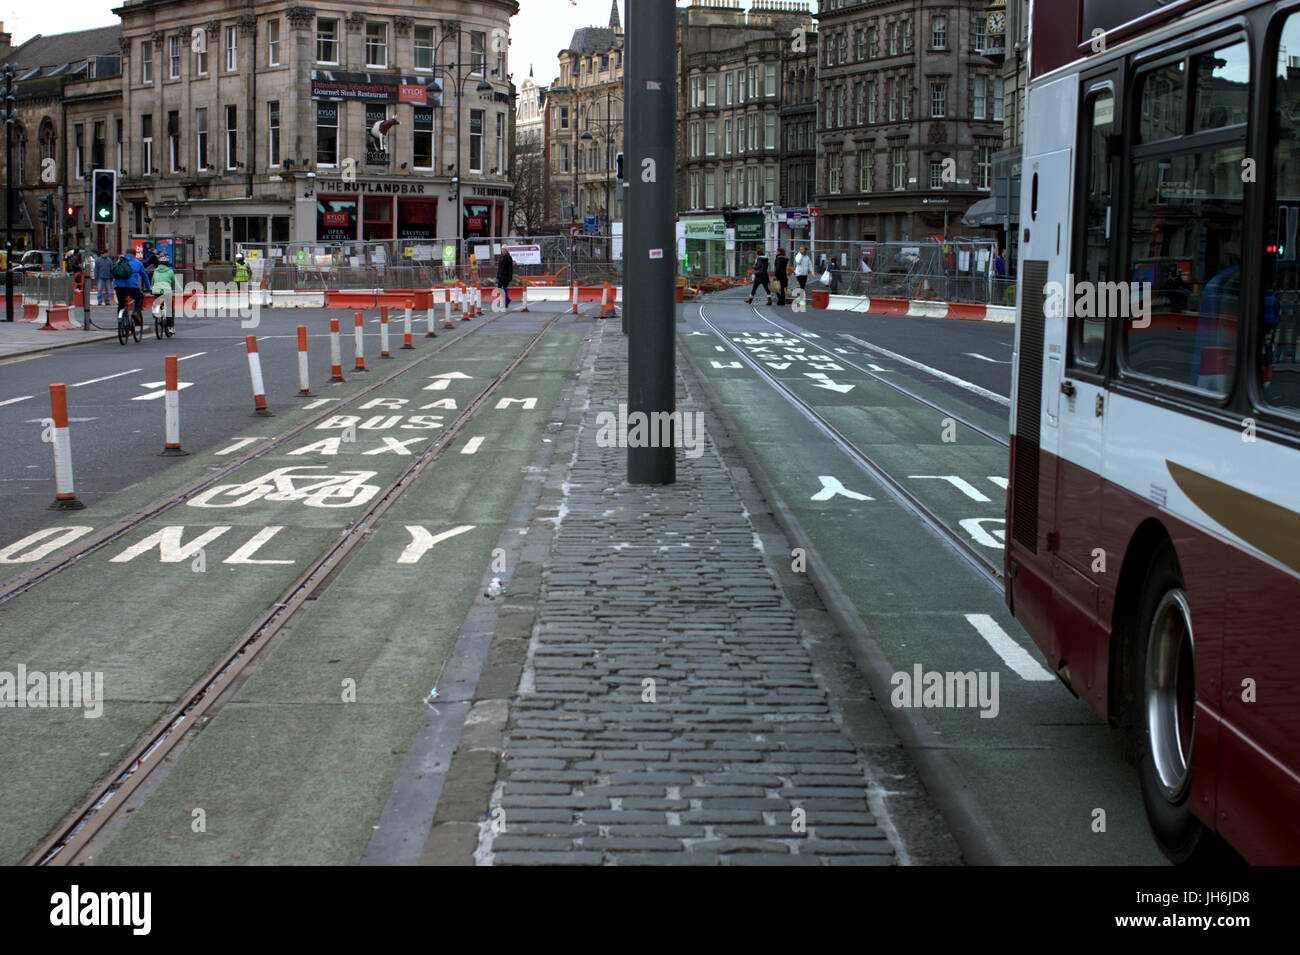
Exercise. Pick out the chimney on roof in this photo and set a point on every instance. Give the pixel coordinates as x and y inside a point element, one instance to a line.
<point>614,23</point>
<point>6,42</point>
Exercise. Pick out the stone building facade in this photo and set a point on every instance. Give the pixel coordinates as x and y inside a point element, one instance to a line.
<point>910,115</point>
<point>734,102</point>
<point>586,127</point>
<point>68,105</point>
<point>258,124</point>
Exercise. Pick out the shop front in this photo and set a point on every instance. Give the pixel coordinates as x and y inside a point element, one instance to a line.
<point>704,248</point>
<point>749,238</point>
<point>375,210</point>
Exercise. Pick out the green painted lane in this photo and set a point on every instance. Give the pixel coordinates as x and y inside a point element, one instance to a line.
<point>292,771</point>
<point>1044,763</point>
<point>154,611</point>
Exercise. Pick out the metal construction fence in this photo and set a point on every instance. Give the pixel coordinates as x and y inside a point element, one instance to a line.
<point>420,263</point>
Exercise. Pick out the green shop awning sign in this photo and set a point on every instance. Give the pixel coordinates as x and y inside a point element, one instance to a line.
<point>709,230</point>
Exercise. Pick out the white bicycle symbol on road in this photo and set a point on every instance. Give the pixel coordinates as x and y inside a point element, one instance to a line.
<point>288,484</point>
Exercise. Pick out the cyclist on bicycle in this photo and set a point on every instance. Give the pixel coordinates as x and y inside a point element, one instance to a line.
<point>130,280</point>
<point>166,287</point>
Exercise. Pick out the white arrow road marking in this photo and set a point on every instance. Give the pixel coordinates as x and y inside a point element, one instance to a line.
<point>876,367</point>
<point>822,380</point>
<point>95,381</point>
<point>999,481</point>
<point>832,486</point>
<point>162,389</point>
<point>438,385</point>
<point>14,401</point>
<point>842,351</point>
<point>960,484</point>
<point>392,444</point>
<point>778,365</point>
<point>1013,654</point>
<point>239,443</point>
<point>451,374</point>
<point>959,382</point>
<point>422,540</point>
<point>730,364</point>
<point>471,445</point>
<point>996,361</point>
<point>695,333</point>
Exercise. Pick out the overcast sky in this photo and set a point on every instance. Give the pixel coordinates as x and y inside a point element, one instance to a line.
<point>537,33</point>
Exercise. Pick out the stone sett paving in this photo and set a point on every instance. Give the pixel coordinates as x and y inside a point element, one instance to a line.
<point>667,585</point>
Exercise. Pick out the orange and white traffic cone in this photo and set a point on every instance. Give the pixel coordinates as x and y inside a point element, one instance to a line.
<point>336,358</point>
<point>255,374</point>
<point>65,495</point>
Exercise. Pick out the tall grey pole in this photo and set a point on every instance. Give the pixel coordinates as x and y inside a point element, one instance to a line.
<point>9,118</point>
<point>650,247</point>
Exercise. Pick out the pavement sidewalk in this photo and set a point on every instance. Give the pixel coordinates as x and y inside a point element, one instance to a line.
<point>670,706</point>
<point>22,338</point>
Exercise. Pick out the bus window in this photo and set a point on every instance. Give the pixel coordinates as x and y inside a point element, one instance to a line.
<point>1185,242</point>
<point>1279,365</point>
<point>1088,333</point>
<point>1162,103</point>
<point>1222,87</point>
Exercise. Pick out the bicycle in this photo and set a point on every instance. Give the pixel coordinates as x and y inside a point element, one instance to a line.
<point>128,324</point>
<point>161,324</point>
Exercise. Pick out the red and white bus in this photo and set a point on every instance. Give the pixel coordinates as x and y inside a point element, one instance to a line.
<point>1153,545</point>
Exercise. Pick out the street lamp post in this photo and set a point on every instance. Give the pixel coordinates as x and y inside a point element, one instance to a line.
<point>10,120</point>
<point>458,73</point>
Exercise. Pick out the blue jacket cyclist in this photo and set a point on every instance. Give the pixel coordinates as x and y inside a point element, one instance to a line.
<point>132,284</point>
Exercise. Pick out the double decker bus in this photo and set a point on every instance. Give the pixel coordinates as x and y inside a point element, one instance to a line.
<point>1153,510</point>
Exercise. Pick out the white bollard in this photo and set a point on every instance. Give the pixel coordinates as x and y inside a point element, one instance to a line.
<point>255,374</point>
<point>304,384</point>
<point>383,332</point>
<point>360,344</point>
<point>172,408</point>
<point>336,353</point>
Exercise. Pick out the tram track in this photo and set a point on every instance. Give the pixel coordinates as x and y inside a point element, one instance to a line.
<point>69,840</point>
<point>987,570</point>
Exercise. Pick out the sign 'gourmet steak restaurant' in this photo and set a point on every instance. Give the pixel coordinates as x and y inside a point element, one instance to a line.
<point>376,88</point>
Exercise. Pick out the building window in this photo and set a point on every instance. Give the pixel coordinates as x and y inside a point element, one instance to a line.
<point>327,43</point>
<point>174,140</point>
<point>422,143</point>
<point>905,96</point>
<point>997,99</point>
<point>564,117</point>
<point>844,47</point>
<point>146,61</point>
<point>979,98</point>
<point>769,79</point>
<point>983,167</point>
<point>477,51</point>
<point>893,39</point>
<point>232,134</point>
<point>711,90</point>
<point>377,45</point>
<point>893,99</point>
<point>117,129</point>
<point>564,157</point>
<point>769,131</point>
<point>501,144</point>
<point>979,34</point>
<point>273,43</point>
<point>728,147</point>
<point>900,167</point>
<point>201,58</point>
<point>769,184</point>
<point>871,102</point>
<point>232,49</point>
<point>174,57</point>
<point>865,183</point>
<point>938,100</point>
<point>710,187</point>
<point>859,45</point>
<point>327,134</point>
<point>146,143</point>
<point>938,32</point>
<point>201,139</point>
<point>859,104</point>
<point>907,34</point>
<point>873,42</point>
<point>833,172</point>
<point>936,174</point>
<point>711,138</point>
<point>424,48</point>
<point>730,93</point>
<point>79,143</point>
<point>476,140</point>
<point>695,140</point>
<point>273,134</point>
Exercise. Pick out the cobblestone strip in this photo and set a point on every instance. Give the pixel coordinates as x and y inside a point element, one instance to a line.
<point>668,711</point>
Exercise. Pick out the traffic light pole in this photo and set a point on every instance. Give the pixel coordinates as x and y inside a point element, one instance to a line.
<point>650,244</point>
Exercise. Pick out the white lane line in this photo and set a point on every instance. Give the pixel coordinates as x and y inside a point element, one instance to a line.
<point>953,379</point>
<point>14,401</point>
<point>95,381</point>
<point>472,445</point>
<point>996,361</point>
<point>1013,654</point>
<point>196,355</point>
